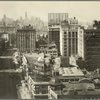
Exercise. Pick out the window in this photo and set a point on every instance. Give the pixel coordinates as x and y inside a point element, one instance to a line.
<point>72,34</point>
<point>65,45</point>
<point>65,39</point>
<point>65,49</point>
<point>65,52</point>
<point>69,34</point>
<point>76,34</point>
<point>65,55</point>
<point>64,32</point>
<point>65,42</point>
<point>66,80</point>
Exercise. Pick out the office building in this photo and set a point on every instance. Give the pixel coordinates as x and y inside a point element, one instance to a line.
<point>65,37</point>
<point>92,48</point>
<point>54,36</point>
<point>69,39</point>
<point>26,39</point>
<point>7,31</point>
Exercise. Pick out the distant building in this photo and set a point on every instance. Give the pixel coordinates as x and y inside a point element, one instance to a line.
<point>8,28</point>
<point>26,39</point>
<point>56,18</point>
<point>7,31</point>
<point>92,48</point>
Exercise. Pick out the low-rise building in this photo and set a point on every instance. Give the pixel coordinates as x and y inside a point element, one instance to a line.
<point>52,50</point>
<point>38,86</point>
<point>70,74</point>
<point>39,73</point>
<point>49,49</point>
<point>84,89</point>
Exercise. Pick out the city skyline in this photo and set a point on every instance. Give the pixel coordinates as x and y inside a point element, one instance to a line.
<point>84,11</point>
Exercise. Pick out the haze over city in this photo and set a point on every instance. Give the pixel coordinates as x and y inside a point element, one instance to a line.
<point>84,11</point>
<point>50,50</point>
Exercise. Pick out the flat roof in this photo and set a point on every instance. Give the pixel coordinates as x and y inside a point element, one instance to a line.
<point>92,30</point>
<point>34,57</point>
<point>71,71</point>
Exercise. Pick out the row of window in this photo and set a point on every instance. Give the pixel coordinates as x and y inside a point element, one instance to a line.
<point>70,34</point>
<point>69,80</point>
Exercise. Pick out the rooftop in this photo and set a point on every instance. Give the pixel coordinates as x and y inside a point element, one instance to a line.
<point>8,52</point>
<point>76,90</point>
<point>34,57</point>
<point>27,28</point>
<point>71,71</point>
<point>92,30</point>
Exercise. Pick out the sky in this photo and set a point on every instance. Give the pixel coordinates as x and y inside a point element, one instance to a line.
<point>82,10</point>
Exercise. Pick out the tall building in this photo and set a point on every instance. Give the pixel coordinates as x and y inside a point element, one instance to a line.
<point>56,18</point>
<point>26,39</point>
<point>92,48</point>
<point>69,39</point>
<point>54,36</point>
<point>65,37</point>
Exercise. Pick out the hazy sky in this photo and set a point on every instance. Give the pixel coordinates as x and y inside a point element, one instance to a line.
<point>83,10</point>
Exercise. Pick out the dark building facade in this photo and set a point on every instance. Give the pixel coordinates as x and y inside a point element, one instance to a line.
<point>7,32</point>
<point>26,39</point>
<point>92,48</point>
<point>54,36</point>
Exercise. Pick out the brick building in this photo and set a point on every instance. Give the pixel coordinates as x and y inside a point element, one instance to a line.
<point>92,48</point>
<point>26,39</point>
